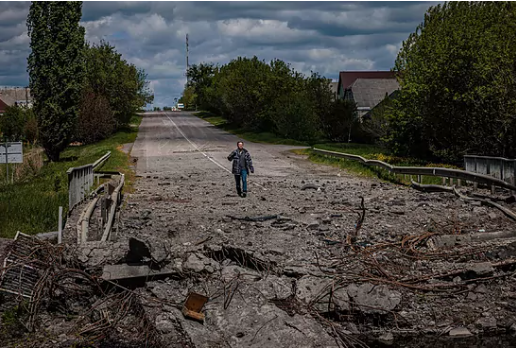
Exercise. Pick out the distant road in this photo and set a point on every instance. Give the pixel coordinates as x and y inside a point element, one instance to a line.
<point>179,142</point>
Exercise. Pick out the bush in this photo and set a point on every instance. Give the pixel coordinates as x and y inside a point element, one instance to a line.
<point>12,123</point>
<point>31,130</point>
<point>96,120</point>
<point>296,118</point>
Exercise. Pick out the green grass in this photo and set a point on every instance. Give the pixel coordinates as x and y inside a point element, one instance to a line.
<point>31,206</point>
<point>365,150</point>
<point>371,152</point>
<point>256,137</point>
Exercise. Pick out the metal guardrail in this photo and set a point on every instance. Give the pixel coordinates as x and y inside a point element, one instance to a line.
<point>101,160</point>
<point>423,171</point>
<point>116,198</point>
<point>80,181</point>
<point>501,168</point>
<point>109,203</point>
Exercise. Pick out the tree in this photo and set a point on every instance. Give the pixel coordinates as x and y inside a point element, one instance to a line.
<point>188,97</point>
<point>338,122</point>
<point>200,77</point>
<point>124,86</point>
<point>96,121</point>
<point>30,129</point>
<point>457,74</point>
<point>297,118</point>
<point>56,70</point>
<point>262,97</point>
<point>12,123</point>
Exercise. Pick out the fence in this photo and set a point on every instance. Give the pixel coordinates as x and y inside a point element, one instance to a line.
<point>501,168</point>
<point>80,181</point>
<point>424,171</point>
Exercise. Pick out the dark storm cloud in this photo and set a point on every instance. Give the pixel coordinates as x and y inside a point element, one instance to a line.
<point>321,36</point>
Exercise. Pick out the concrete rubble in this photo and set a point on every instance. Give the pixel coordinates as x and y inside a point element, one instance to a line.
<point>416,268</point>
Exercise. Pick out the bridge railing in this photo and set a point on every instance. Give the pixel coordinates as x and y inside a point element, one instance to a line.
<point>80,181</point>
<point>469,176</point>
<point>501,168</point>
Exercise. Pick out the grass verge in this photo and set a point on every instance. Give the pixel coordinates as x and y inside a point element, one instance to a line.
<point>370,152</point>
<point>31,206</point>
<point>367,151</point>
<point>256,137</point>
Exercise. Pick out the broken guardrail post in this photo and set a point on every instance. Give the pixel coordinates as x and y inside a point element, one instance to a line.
<point>60,227</point>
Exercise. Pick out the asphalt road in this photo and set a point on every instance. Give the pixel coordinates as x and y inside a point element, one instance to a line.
<point>171,143</point>
<point>186,200</point>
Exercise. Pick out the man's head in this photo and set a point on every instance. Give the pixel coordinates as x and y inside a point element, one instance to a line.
<point>240,145</point>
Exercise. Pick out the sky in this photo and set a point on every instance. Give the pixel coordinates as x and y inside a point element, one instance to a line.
<point>324,37</point>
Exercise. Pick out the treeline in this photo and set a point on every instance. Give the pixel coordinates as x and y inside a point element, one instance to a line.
<point>81,92</point>
<point>270,97</point>
<point>457,75</point>
<point>114,90</point>
<point>458,84</point>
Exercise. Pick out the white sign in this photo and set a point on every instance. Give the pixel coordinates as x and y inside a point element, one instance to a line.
<point>180,105</point>
<point>14,153</point>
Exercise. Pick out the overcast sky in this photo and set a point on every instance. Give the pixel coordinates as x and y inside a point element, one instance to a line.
<point>326,37</point>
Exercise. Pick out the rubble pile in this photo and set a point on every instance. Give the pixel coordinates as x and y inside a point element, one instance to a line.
<point>304,262</point>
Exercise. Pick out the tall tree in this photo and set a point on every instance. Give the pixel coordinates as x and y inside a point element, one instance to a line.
<point>56,70</point>
<point>458,83</point>
<point>121,83</point>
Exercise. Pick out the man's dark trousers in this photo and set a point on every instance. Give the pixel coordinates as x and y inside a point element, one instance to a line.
<point>241,177</point>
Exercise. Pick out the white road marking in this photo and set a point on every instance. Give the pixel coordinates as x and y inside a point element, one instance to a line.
<point>206,155</point>
<point>197,148</point>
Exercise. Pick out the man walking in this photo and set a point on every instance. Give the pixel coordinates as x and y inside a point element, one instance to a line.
<point>242,164</point>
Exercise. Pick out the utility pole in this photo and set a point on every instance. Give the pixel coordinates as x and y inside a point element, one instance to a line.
<point>187,65</point>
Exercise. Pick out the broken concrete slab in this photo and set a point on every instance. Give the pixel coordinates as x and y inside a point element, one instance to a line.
<point>93,254</point>
<point>486,323</point>
<point>127,272</point>
<point>371,299</point>
<point>198,263</point>
<point>274,287</point>
<point>460,332</point>
<point>317,292</point>
<point>147,250</point>
<point>232,271</point>
<point>481,269</point>
<point>266,326</point>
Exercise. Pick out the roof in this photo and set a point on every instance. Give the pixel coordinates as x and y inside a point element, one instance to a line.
<point>8,100</point>
<point>347,78</point>
<point>369,92</point>
<point>16,93</point>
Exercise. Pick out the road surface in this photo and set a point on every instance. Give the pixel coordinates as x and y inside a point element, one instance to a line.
<point>172,143</point>
<point>185,200</point>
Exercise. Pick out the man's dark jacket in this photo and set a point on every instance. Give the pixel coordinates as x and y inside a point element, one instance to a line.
<point>235,156</point>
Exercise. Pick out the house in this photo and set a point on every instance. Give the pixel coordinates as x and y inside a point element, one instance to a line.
<point>366,88</point>
<point>334,87</point>
<point>10,96</point>
<point>6,101</point>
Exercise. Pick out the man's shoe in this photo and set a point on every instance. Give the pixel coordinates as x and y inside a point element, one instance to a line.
<point>244,194</point>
